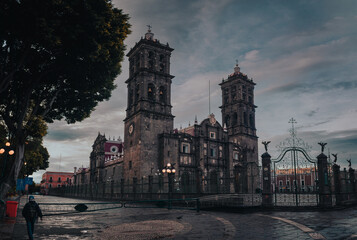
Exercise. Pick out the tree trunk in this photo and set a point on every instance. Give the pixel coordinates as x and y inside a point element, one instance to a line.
<point>11,177</point>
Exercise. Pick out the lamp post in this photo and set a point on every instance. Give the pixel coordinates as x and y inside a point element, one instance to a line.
<point>170,170</point>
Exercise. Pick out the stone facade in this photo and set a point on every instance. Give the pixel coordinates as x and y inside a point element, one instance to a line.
<point>105,161</point>
<point>206,156</point>
<point>148,112</point>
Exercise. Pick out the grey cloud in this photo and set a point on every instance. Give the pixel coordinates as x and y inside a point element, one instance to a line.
<point>313,112</point>
<point>345,85</point>
<point>62,134</point>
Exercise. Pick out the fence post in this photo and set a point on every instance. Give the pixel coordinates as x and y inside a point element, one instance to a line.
<point>352,183</point>
<point>104,190</point>
<point>198,204</point>
<point>150,186</point>
<point>337,183</point>
<point>122,188</point>
<point>111,189</point>
<point>267,194</point>
<point>325,198</point>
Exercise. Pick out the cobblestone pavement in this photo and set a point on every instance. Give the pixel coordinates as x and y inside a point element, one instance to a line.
<point>155,223</point>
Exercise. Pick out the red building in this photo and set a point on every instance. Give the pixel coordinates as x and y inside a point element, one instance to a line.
<point>113,149</point>
<point>55,180</point>
<point>305,177</point>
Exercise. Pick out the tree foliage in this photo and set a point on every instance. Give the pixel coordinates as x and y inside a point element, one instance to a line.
<point>58,60</point>
<point>36,155</point>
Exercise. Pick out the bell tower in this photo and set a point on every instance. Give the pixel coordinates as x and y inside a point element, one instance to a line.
<point>149,107</point>
<point>238,112</point>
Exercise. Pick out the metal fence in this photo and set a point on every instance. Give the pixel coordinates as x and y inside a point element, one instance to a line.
<point>245,189</point>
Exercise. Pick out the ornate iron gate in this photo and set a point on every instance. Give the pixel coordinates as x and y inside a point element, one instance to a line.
<point>294,173</point>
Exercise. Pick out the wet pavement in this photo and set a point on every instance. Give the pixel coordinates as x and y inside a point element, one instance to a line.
<point>155,223</point>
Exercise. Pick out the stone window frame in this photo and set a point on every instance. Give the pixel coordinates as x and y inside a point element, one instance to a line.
<point>151,91</point>
<point>235,155</point>
<point>185,160</point>
<point>185,146</point>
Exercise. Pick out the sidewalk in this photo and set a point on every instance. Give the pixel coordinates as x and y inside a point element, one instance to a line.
<point>7,223</point>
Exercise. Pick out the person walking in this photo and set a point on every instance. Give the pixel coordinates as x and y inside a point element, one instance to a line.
<point>31,212</point>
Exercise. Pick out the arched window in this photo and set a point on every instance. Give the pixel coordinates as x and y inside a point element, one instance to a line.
<point>151,60</point>
<point>151,91</point>
<point>245,122</point>
<point>234,93</point>
<point>162,63</point>
<point>162,94</point>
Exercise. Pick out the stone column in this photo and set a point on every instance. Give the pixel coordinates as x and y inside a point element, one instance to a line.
<point>325,198</point>
<point>267,194</point>
<point>337,183</point>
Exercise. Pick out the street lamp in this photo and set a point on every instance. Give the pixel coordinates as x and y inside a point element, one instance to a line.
<point>10,152</point>
<point>170,170</point>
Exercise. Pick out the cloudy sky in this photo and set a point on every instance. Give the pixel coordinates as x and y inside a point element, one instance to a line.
<point>301,54</point>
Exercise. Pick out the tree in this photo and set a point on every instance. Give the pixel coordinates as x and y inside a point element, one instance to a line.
<point>35,156</point>
<point>58,60</point>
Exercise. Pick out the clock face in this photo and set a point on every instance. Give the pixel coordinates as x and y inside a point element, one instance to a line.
<point>114,149</point>
<point>131,129</point>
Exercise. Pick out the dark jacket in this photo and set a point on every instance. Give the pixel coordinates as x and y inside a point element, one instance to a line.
<point>26,211</point>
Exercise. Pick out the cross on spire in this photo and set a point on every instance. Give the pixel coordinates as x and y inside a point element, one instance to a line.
<point>292,121</point>
<point>237,62</point>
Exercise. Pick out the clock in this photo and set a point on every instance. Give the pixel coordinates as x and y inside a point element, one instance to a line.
<point>131,129</point>
<point>114,149</point>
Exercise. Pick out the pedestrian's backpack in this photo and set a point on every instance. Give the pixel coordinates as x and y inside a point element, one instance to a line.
<point>32,210</point>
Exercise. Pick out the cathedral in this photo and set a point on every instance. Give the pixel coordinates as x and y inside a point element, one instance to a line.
<point>207,157</point>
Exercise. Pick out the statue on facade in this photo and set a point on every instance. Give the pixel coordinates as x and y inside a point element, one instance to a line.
<point>349,162</point>
<point>322,144</point>
<point>335,157</point>
<point>266,143</point>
